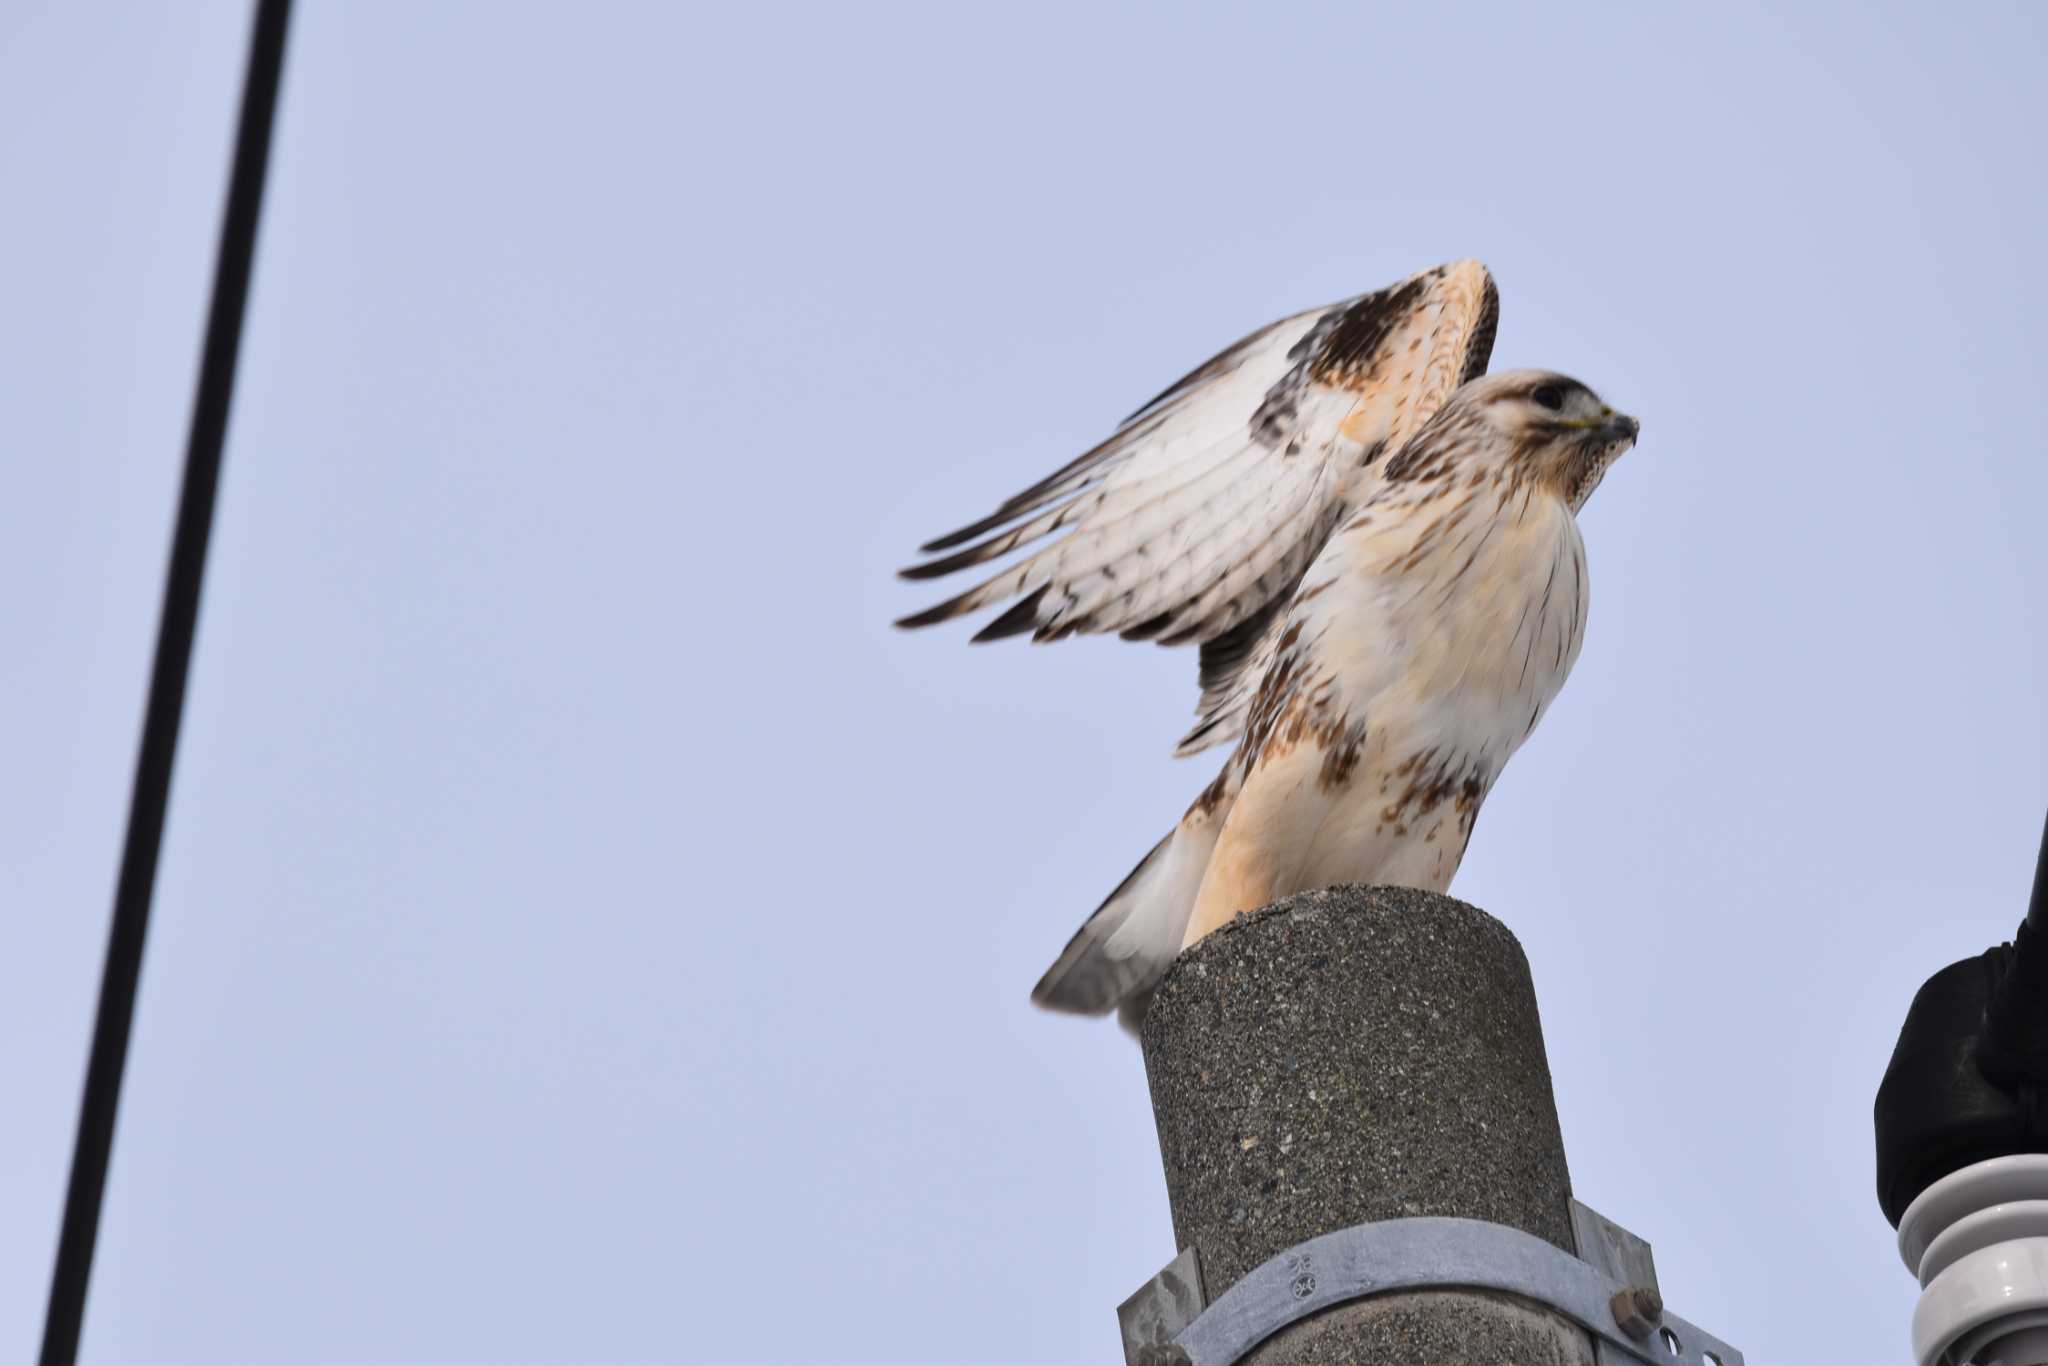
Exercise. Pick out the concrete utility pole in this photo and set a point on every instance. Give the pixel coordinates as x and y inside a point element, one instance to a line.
<point>1363,1158</point>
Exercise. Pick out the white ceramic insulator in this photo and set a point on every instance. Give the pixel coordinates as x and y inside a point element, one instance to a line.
<point>1978,1241</point>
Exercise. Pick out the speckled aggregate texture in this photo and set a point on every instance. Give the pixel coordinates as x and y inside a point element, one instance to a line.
<point>1441,1328</point>
<point>1347,1056</point>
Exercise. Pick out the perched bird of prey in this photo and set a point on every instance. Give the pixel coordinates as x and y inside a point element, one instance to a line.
<point>1375,545</point>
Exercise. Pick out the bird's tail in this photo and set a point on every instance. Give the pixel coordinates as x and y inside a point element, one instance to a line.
<point>1118,956</point>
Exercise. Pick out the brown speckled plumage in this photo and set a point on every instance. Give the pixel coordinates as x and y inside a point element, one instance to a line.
<point>1382,564</point>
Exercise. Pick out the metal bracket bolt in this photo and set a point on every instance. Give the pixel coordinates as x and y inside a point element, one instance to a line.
<point>1636,1311</point>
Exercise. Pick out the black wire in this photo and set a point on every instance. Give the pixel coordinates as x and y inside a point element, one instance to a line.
<point>166,689</point>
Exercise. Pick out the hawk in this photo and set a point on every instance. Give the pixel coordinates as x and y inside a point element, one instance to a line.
<point>1374,545</point>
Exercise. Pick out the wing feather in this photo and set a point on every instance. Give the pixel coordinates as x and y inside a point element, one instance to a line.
<point>1132,529</point>
<point>1195,520</point>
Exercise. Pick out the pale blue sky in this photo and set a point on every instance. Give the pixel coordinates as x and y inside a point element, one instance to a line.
<point>585,931</point>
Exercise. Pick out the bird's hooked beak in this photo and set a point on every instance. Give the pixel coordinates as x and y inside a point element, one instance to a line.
<point>1608,429</point>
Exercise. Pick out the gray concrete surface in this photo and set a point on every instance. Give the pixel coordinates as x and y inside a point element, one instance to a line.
<point>1354,1055</point>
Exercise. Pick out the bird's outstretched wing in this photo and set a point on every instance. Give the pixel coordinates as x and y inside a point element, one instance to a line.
<point>1195,520</point>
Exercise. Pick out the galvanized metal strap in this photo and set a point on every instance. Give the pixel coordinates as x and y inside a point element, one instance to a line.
<point>1434,1254</point>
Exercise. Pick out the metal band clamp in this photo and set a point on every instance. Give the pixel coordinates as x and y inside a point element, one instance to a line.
<point>1627,1322</point>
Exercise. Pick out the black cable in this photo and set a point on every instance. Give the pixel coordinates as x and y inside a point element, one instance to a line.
<point>166,689</point>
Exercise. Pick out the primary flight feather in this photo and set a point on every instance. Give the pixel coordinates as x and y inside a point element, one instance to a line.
<point>1375,548</point>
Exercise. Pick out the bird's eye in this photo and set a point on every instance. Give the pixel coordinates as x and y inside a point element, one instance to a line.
<point>1549,396</point>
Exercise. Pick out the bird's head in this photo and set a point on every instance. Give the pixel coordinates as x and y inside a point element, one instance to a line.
<point>1533,425</point>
